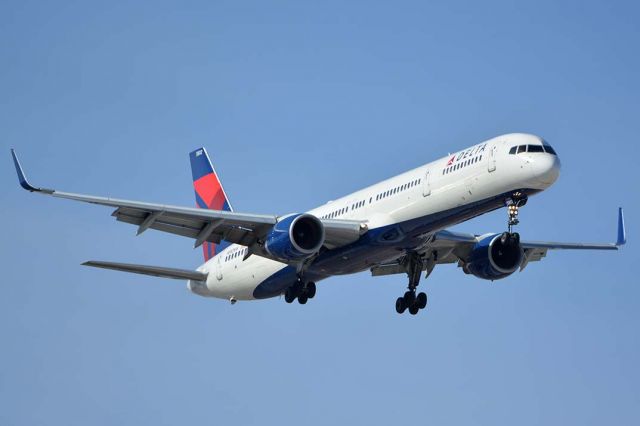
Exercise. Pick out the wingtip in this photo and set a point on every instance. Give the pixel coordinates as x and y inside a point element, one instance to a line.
<point>22,178</point>
<point>622,234</point>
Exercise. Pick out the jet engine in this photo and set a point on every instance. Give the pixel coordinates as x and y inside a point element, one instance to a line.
<point>495,256</point>
<point>295,237</point>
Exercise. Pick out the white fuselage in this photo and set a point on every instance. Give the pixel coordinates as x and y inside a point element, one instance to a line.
<point>469,176</point>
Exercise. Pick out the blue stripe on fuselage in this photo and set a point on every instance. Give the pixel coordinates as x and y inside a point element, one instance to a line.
<point>379,245</point>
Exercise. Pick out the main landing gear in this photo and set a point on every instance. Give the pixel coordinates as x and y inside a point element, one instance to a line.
<point>303,291</point>
<point>414,264</point>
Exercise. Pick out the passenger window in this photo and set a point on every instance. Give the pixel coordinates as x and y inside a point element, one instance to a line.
<point>522,148</point>
<point>513,150</point>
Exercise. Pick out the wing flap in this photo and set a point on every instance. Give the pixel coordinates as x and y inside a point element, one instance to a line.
<point>156,271</point>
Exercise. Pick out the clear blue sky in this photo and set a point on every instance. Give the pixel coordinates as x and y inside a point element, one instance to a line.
<point>299,103</point>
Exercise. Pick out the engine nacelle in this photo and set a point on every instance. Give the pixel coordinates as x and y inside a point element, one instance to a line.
<point>295,237</point>
<point>495,256</point>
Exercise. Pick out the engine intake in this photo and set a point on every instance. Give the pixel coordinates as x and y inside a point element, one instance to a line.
<point>295,237</point>
<point>495,256</point>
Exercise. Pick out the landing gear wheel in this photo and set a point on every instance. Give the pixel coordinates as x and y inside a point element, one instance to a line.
<point>400,305</point>
<point>289,295</point>
<point>413,309</point>
<point>504,238</point>
<point>311,289</point>
<point>409,297</point>
<point>421,300</point>
<point>515,238</point>
<point>302,299</point>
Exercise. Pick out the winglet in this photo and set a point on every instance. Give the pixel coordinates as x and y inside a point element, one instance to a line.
<point>622,234</point>
<point>23,178</point>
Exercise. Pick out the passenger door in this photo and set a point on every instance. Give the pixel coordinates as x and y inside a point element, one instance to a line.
<point>491,158</point>
<point>218,267</point>
<point>426,184</point>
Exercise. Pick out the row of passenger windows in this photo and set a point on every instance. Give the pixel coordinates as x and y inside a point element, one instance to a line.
<point>357,205</point>
<point>335,213</point>
<point>532,148</point>
<point>398,189</point>
<point>461,165</point>
<point>380,196</point>
<point>235,254</point>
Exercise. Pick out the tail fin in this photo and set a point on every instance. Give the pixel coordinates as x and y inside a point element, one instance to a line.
<point>209,193</point>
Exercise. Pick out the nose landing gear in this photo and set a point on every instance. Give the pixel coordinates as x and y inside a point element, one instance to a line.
<point>514,203</point>
<point>517,200</point>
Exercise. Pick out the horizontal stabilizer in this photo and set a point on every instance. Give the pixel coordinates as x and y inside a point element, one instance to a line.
<point>156,271</point>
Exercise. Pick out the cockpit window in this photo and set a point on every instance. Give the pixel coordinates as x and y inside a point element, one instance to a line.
<point>550,150</point>
<point>545,147</point>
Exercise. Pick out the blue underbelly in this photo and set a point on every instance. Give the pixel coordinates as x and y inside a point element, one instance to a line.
<point>379,245</point>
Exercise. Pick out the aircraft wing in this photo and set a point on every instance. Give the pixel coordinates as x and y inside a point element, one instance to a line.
<point>454,247</point>
<point>199,224</point>
<point>155,271</point>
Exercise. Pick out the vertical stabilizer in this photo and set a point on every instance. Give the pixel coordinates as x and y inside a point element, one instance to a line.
<point>209,193</point>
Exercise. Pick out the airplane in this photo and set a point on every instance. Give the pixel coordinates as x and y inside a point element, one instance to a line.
<point>397,226</point>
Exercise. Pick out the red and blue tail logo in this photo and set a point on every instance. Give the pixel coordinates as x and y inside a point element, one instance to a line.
<point>209,193</point>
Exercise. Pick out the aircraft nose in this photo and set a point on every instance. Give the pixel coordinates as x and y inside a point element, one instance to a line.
<point>547,168</point>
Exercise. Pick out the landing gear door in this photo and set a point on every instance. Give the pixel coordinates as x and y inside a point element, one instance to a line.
<point>426,184</point>
<point>491,165</point>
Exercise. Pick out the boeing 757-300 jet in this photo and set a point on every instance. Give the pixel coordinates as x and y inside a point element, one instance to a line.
<point>397,226</point>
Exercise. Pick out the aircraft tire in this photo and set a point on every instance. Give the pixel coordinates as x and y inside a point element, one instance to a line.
<point>289,296</point>
<point>311,289</point>
<point>421,300</point>
<point>409,298</point>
